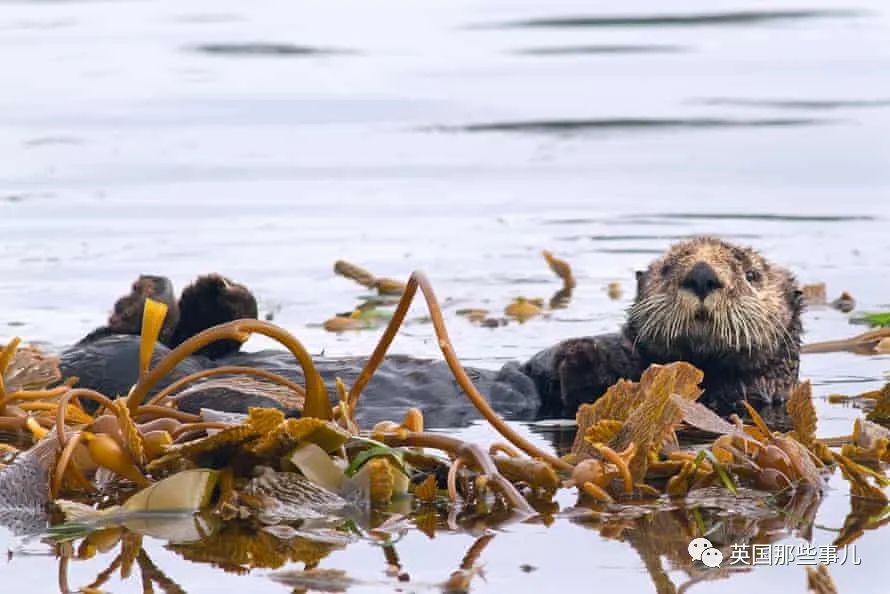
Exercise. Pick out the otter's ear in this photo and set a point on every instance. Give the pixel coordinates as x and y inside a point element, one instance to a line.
<point>641,282</point>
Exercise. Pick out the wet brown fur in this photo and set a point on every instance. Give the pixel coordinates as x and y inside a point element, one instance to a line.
<point>126,316</point>
<point>210,300</point>
<point>752,313</point>
<point>744,335</point>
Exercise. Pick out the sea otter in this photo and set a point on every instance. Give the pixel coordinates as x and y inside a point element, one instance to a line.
<point>721,307</point>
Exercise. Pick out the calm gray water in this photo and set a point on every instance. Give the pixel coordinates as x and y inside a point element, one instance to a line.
<point>265,141</point>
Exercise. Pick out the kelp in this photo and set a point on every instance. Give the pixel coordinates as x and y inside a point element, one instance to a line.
<point>879,319</point>
<point>844,303</point>
<point>185,492</point>
<point>368,315</point>
<point>643,408</point>
<point>819,580</point>
<point>132,556</point>
<point>627,442</point>
<point>814,294</point>
<point>384,286</point>
<point>114,441</point>
<point>561,269</point>
<point>633,426</point>
<point>262,477</point>
<point>871,342</point>
<point>880,412</point>
<point>522,309</point>
<point>803,414</point>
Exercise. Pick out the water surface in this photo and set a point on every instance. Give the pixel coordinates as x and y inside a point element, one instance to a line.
<point>267,141</point>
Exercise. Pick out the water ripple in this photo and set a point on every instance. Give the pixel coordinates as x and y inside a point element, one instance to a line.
<point>629,124</point>
<point>739,17</point>
<point>260,49</point>
<point>761,217</point>
<point>581,50</point>
<point>815,104</point>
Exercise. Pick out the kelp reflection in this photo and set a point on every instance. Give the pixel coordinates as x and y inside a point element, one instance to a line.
<point>241,547</point>
<point>660,532</point>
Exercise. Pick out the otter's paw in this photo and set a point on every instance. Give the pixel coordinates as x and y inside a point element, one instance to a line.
<point>581,366</point>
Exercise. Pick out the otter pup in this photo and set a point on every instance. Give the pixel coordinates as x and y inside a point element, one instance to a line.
<point>105,359</point>
<point>723,308</point>
<point>126,316</point>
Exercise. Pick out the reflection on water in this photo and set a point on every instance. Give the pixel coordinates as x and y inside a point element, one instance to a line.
<point>658,532</point>
<point>141,137</point>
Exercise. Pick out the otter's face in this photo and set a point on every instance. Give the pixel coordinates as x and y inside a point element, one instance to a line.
<point>705,297</point>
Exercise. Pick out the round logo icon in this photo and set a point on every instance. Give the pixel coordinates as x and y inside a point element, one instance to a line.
<point>699,546</point>
<point>712,557</point>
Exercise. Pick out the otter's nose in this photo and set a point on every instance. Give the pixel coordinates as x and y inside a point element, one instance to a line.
<point>701,280</point>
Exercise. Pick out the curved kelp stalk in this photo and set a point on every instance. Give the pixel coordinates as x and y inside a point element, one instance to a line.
<point>102,400</point>
<point>179,384</point>
<point>464,454</point>
<point>24,391</point>
<point>418,279</point>
<point>153,411</point>
<point>29,395</point>
<point>316,403</point>
<point>6,356</point>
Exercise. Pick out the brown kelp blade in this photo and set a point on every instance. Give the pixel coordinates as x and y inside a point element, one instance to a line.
<point>645,409</point>
<point>354,272</point>
<point>819,580</point>
<point>758,420</point>
<point>803,413</point>
<point>31,369</point>
<point>561,268</point>
<point>701,417</point>
<point>655,419</point>
<point>881,411</point>
<point>858,476</point>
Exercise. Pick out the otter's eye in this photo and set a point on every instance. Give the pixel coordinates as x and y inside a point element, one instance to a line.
<point>753,276</point>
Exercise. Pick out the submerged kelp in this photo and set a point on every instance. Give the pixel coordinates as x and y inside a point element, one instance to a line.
<point>649,466</point>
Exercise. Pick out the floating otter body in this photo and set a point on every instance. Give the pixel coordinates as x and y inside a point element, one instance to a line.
<point>723,308</point>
